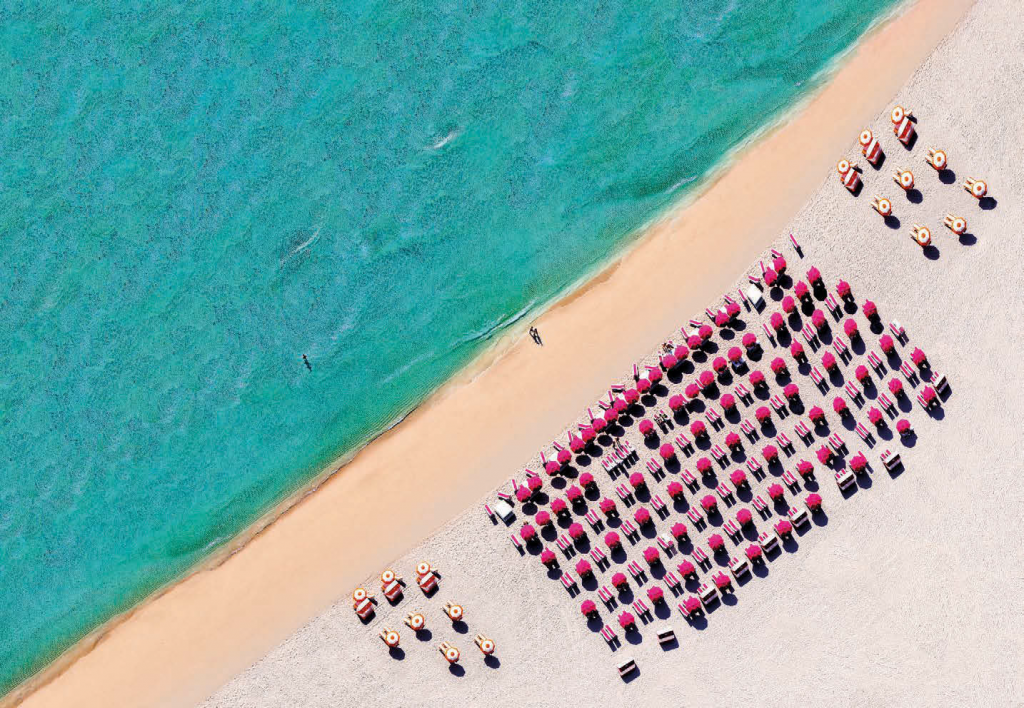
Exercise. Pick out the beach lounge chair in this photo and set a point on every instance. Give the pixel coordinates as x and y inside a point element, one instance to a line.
<point>840,348</point>
<point>761,506</point>
<point>908,372</point>
<point>564,544</point>
<point>427,582</point>
<point>599,557</point>
<point>690,607</point>
<point>708,594</point>
<point>449,652</point>
<point>803,431</point>
<point>695,518</point>
<point>769,542</point>
<point>768,332</point>
<point>568,582</point>
<point>725,493</point>
<point>809,335</point>
<point>845,479</point>
<point>886,403</point>
<point>654,467</point>
<point>636,570</point>
<point>594,520</point>
<point>684,444</point>
<point>864,433</point>
<point>416,621</point>
<point>836,442</point>
<point>490,513</point>
<point>453,611</point>
<point>876,363</point>
<point>817,377</point>
<point>897,331</point>
<point>790,479</point>
<point>630,531</point>
<point>689,480</point>
<point>924,402</point>
<point>713,417</point>
<point>667,544</point>
<point>854,392</point>
<point>362,603</point>
<point>748,429</point>
<point>754,467</point>
<point>504,496</point>
<point>783,441</point>
<point>641,609</point>
<point>799,516</point>
<point>718,453</point>
<point>701,558</point>
<point>739,567</point>
<point>625,494</point>
<point>732,528</point>
<point>606,597</point>
<point>609,635</point>
<point>796,246</point>
<point>659,506</point>
<point>743,393</point>
<point>890,460</point>
<point>832,304</point>
<point>673,582</point>
<point>777,403</point>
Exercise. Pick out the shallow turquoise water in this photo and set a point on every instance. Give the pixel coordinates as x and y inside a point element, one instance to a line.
<point>193,197</point>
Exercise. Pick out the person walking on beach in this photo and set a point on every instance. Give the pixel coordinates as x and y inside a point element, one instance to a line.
<point>536,336</point>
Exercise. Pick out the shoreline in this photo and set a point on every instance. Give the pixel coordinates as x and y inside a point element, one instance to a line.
<point>149,649</point>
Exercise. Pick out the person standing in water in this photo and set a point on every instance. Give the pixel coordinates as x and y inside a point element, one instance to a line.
<point>308,365</point>
<point>536,336</point>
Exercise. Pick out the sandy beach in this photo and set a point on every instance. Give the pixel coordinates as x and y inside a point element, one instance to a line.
<point>902,584</point>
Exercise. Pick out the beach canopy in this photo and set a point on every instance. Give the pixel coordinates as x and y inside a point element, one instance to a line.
<point>735,354</point>
<point>543,518</point>
<point>669,362</point>
<point>703,465</point>
<point>902,426</point>
<point>788,304</point>
<point>523,494</point>
<point>917,356</point>
<point>861,373</point>
<point>528,533</point>
<point>839,405</point>
<point>642,516</point>
<point>828,361</point>
<point>770,277</point>
<point>694,341</point>
<point>818,319</point>
<point>850,327</point>
<point>574,494</point>
<point>733,439</point>
<point>692,390</point>
<point>678,531</point>
<point>534,483</point>
<point>705,332</point>
<point>858,463</point>
<point>887,344</point>
<point>816,415</point>
<point>587,607</point>
<point>784,527</point>
<point>716,542</point>
<point>547,556</point>
<point>655,593</point>
<point>607,505</point>
<point>778,365</point>
<point>681,352</point>
<point>612,540</point>
<point>651,555</point>
<point>676,402</point>
<point>667,452</point>
<point>708,502</point>
<point>583,567</point>
<point>636,479</point>
<point>686,568</point>
<point>843,288</point>
<point>824,455</point>
<point>770,453</point>
<point>698,429</point>
<point>564,456</point>
<point>675,489</point>
<point>763,414</point>
<point>813,501</point>
<point>779,264</point>
<point>576,531</point>
<point>646,427</point>
<point>796,350</point>
<point>813,275</point>
<point>870,309</point>
<point>801,290</point>
<point>643,385</point>
<point>728,401</point>
<point>631,395</point>
<point>749,340</point>
<point>619,580</point>
<point>719,364</point>
<point>776,321</point>
<point>558,506</point>
<point>895,387</point>
<point>756,378</point>
<point>552,467</point>
<point>626,620</point>
<point>706,379</point>
<point>744,517</point>
<point>875,416</point>
<point>791,391</point>
<point>738,478</point>
<point>753,551</point>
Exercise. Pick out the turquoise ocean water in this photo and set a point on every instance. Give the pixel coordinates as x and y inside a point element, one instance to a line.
<point>193,196</point>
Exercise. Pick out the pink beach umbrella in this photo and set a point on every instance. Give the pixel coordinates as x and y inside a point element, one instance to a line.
<point>770,277</point>
<point>779,264</point>
<point>816,415</point>
<point>654,374</point>
<point>728,401</point>
<point>708,503</point>
<point>705,333</point>
<point>801,290</point>
<point>620,405</point>
<point>523,494</point>
<point>887,344</point>
<point>651,555</point>
<point>642,516</point>
<point>646,427</point>
<point>929,394</point>
<point>839,405</point>
<point>675,489</point>
<point>558,507</point>
<point>607,506</point>
<point>655,594</point>
<point>643,386</point>
<point>733,310</point>
<point>612,540</point>
<point>686,569</point>
<point>858,463</point>
<point>552,467</point>
<point>824,455</point>
<point>637,480</point>
<point>576,444</point>
<point>870,310</point>
<point>627,621</point>
<point>763,415</point>
<point>875,416</point>
<point>706,379</point>
<point>543,518</point>
<point>583,568</point>
<point>804,468</point>
<point>788,305</point>
<point>694,342</point>
<point>703,465</point>
<point>828,361</point>
<point>784,527</point>
<point>843,289</point>
<point>588,608</point>
<point>813,276</point>
<point>796,350</point>
<point>587,480</point>
<point>722,581</point>
<point>732,440</point>
<point>861,373</point>
<point>678,531</point>
<point>738,478</point>
<point>669,362</point>
<point>681,352</point>
<point>719,364</point>
<point>692,391</point>
<point>776,321</point>
<point>698,429</point>
<point>749,340</point>
<point>917,356</point>
<point>818,319</point>
<point>528,533</point>
<point>676,402</point>
<point>791,391</point>
<point>619,581</point>
<point>850,327</point>
<point>813,501</point>
<point>722,319</point>
<point>735,354</point>
<point>903,426</point>
<point>756,378</point>
<point>564,456</point>
<point>771,454</point>
<point>597,425</point>
<point>667,452</point>
<point>574,494</point>
<point>588,434</point>
<point>548,558</point>
<point>753,551</point>
<point>716,543</point>
<point>691,604</point>
<point>744,517</point>
<point>895,387</point>
<point>631,395</point>
<point>535,484</point>
<point>779,366</point>
<point>576,531</point>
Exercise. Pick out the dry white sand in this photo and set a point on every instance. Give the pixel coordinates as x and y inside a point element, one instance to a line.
<point>906,593</point>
